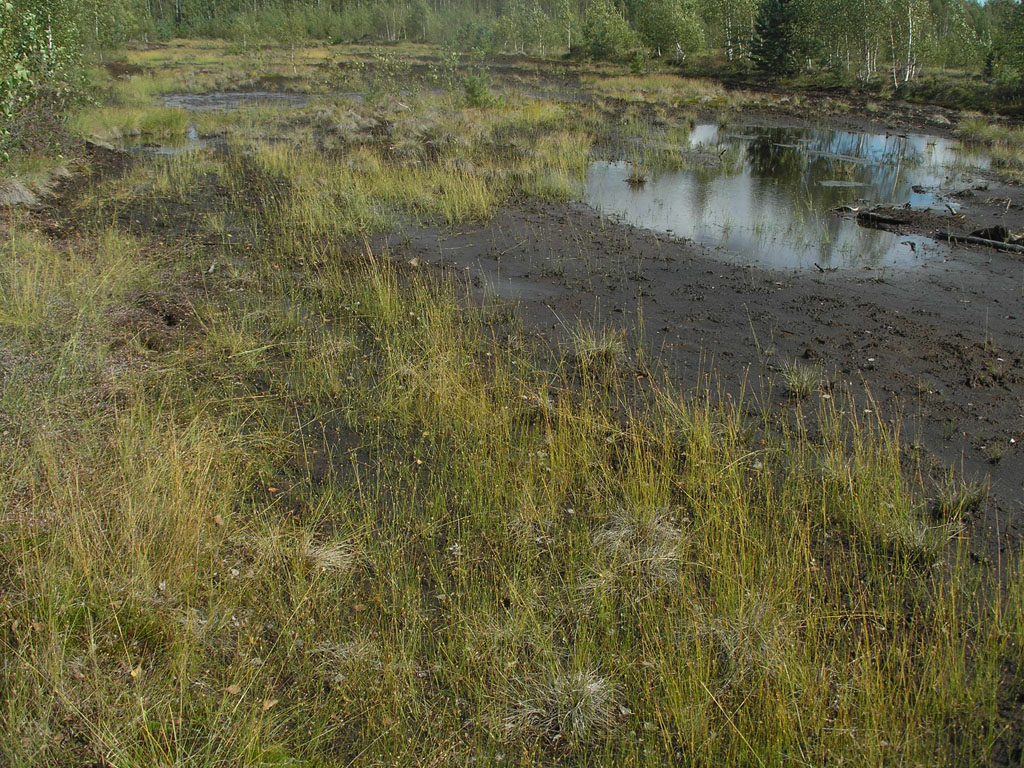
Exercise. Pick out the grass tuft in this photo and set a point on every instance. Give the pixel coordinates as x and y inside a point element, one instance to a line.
<point>959,497</point>
<point>601,350</point>
<point>801,380</point>
<point>572,708</point>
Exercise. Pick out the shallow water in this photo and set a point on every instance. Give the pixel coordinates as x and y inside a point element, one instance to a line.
<point>209,102</point>
<point>167,147</point>
<point>212,102</point>
<point>764,196</point>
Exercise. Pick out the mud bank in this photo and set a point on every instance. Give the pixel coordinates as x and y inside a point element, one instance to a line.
<point>941,346</point>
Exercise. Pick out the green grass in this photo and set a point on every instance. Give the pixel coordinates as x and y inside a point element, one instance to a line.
<point>801,380</point>
<point>32,169</point>
<point>983,131</point>
<point>1005,143</point>
<point>280,501</point>
<point>113,123</point>
<point>143,89</point>
<point>660,88</point>
<point>359,186</point>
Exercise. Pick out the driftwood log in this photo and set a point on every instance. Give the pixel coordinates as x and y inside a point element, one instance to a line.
<point>972,240</point>
<point>870,217</point>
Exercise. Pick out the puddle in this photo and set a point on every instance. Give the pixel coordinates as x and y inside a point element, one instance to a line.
<point>167,147</point>
<point>768,202</point>
<point>208,102</point>
<point>227,101</point>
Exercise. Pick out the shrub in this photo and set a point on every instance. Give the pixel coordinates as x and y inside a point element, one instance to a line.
<point>606,34</point>
<point>39,65</point>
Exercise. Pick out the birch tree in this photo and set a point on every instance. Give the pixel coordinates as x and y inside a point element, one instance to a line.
<point>669,27</point>
<point>909,37</point>
<point>729,25</point>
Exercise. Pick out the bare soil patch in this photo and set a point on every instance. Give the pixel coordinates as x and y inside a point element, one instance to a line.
<point>943,346</point>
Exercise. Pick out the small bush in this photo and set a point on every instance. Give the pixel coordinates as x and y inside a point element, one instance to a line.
<point>478,91</point>
<point>607,34</point>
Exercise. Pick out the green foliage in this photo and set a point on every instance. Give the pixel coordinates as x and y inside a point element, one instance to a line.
<point>108,23</point>
<point>478,91</point>
<point>640,62</point>
<point>867,39</point>
<point>525,28</point>
<point>388,75</point>
<point>670,27</point>
<point>1002,27</point>
<point>38,63</point>
<point>1013,42</point>
<point>388,21</point>
<point>465,34</point>
<point>477,83</point>
<point>418,20</point>
<point>287,28</point>
<point>960,42</point>
<point>728,26</point>
<point>444,73</point>
<point>776,44</point>
<point>606,33</point>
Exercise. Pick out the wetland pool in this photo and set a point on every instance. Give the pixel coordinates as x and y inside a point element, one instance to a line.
<point>226,101</point>
<point>763,196</point>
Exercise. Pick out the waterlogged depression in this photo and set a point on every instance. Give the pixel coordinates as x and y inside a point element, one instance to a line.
<point>765,196</point>
<point>229,100</point>
<point>754,195</point>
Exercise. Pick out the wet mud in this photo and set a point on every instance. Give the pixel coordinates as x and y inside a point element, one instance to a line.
<point>940,346</point>
<point>935,336</point>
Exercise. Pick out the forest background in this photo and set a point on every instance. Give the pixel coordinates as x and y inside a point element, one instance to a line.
<point>881,44</point>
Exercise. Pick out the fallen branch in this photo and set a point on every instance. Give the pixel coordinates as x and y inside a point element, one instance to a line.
<point>869,217</point>
<point>971,240</point>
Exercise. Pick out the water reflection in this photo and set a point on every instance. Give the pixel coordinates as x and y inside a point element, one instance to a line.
<point>167,147</point>
<point>228,101</point>
<point>765,196</point>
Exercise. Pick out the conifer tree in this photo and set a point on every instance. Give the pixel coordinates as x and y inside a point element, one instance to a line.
<point>776,42</point>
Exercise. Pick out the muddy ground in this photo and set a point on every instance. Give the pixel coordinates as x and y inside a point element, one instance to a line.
<point>940,346</point>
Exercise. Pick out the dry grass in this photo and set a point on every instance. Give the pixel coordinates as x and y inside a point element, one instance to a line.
<point>1005,143</point>
<point>305,508</point>
<point>660,89</point>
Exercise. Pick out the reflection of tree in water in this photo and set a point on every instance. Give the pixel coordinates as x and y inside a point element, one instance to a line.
<point>703,192</point>
<point>876,162</point>
<point>730,163</point>
<point>799,161</point>
<point>769,157</point>
<point>764,197</point>
<point>845,244</point>
<point>776,165</point>
<point>790,166</point>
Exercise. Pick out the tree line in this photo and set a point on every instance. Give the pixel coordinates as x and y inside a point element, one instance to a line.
<point>856,39</point>
<point>42,41</point>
